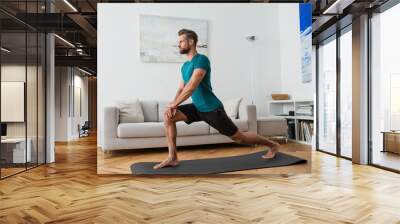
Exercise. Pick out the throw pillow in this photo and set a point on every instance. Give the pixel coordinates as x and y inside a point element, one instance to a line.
<point>130,111</point>
<point>232,107</point>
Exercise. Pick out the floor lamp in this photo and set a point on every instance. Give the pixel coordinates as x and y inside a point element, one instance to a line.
<point>252,40</point>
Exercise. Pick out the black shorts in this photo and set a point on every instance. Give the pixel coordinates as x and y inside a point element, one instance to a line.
<point>217,118</point>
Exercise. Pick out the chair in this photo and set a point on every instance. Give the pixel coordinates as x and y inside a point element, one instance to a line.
<point>84,130</point>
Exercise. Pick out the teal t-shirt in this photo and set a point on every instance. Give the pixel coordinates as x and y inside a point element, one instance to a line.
<point>203,98</point>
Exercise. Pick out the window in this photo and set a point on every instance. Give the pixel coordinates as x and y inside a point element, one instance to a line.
<point>346,94</point>
<point>327,97</point>
<point>385,89</point>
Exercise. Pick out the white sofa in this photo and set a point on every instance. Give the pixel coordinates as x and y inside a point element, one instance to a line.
<point>151,133</point>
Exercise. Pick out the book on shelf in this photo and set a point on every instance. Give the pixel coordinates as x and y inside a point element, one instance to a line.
<point>305,114</point>
<point>306,111</point>
<point>305,130</point>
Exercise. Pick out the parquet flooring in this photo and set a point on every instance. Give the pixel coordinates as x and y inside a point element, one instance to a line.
<point>119,162</point>
<point>70,191</point>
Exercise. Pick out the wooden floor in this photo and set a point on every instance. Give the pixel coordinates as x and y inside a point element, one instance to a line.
<point>10,171</point>
<point>70,191</point>
<point>387,159</point>
<point>119,162</point>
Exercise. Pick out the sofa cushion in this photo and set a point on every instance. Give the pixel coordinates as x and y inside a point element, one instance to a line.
<point>150,110</point>
<point>161,109</point>
<point>242,112</point>
<point>231,107</point>
<point>241,124</point>
<point>137,130</point>
<point>130,111</point>
<point>195,128</point>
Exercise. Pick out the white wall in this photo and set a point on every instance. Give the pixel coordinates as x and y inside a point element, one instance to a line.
<point>290,55</point>
<point>80,118</point>
<point>61,103</point>
<point>121,74</point>
<point>66,120</point>
<point>16,72</point>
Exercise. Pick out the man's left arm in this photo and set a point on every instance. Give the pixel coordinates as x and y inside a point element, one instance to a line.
<point>197,76</point>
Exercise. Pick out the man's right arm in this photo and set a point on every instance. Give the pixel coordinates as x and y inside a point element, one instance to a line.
<point>171,112</point>
<point>180,89</point>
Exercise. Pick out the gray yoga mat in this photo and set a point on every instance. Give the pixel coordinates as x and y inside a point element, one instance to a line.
<point>218,165</point>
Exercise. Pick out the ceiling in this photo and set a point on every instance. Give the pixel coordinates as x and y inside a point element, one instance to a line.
<point>77,22</point>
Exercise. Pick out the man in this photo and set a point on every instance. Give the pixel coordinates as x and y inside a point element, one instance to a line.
<point>205,107</point>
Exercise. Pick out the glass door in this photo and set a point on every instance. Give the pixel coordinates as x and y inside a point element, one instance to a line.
<point>327,96</point>
<point>385,89</point>
<point>13,103</point>
<point>22,77</point>
<point>346,93</point>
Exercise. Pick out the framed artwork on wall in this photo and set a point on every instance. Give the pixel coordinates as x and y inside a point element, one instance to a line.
<point>159,37</point>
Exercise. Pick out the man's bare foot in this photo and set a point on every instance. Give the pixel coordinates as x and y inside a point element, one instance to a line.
<point>168,162</point>
<point>272,152</point>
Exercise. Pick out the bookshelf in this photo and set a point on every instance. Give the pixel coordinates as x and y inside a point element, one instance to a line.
<point>300,119</point>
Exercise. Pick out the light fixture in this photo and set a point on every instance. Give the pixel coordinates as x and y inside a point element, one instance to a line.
<point>252,39</point>
<point>64,40</point>
<point>70,5</point>
<point>337,7</point>
<point>5,50</point>
<point>328,10</point>
<point>84,71</point>
<point>80,51</point>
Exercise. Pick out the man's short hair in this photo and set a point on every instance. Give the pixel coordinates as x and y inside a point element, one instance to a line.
<point>190,34</point>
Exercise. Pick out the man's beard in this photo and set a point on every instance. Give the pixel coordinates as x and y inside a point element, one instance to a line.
<point>184,51</point>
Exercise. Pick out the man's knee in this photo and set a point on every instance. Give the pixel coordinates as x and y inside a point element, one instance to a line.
<point>167,120</point>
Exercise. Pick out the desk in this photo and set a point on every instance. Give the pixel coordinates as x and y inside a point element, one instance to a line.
<point>391,141</point>
<point>13,150</point>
